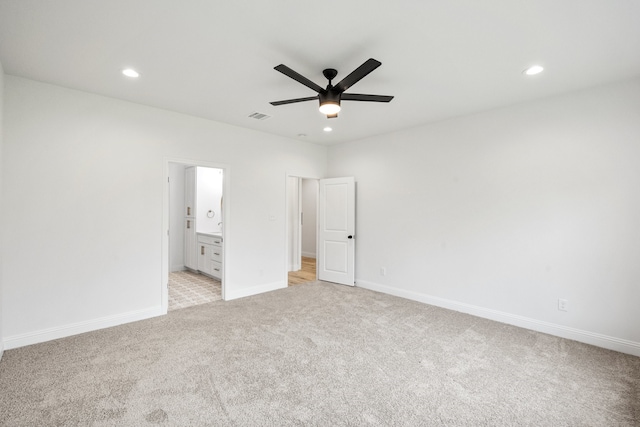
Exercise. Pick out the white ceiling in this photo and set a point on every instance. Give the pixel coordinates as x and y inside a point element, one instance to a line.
<point>215,59</point>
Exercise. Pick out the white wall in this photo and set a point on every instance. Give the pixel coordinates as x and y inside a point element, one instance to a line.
<point>84,181</point>
<point>176,216</point>
<point>309,209</point>
<point>502,213</point>
<point>1,204</point>
<point>208,197</point>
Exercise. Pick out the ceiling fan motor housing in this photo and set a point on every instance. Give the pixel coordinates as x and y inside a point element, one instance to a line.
<point>330,96</point>
<point>330,102</point>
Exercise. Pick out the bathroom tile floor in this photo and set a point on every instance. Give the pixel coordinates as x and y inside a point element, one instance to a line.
<point>187,289</point>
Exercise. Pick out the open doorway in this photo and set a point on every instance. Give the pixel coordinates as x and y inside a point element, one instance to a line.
<point>302,229</point>
<point>195,213</point>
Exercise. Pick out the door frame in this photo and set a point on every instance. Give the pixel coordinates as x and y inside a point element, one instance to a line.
<point>226,225</point>
<point>300,176</point>
<point>294,240</point>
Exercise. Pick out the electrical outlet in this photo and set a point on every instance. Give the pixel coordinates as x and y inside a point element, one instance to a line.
<point>383,271</point>
<point>563,304</point>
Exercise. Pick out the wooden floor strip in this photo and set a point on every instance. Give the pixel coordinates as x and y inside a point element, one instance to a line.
<point>306,274</point>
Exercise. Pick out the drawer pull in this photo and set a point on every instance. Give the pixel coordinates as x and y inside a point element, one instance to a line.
<point>188,223</point>
<point>189,210</point>
<point>216,253</point>
<point>216,241</point>
<point>201,250</point>
<point>216,269</point>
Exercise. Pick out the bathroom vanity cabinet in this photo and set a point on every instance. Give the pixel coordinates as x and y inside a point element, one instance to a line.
<point>210,254</point>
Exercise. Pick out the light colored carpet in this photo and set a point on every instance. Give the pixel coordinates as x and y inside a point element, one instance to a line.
<point>318,354</point>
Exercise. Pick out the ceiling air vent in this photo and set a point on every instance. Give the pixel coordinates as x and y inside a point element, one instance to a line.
<point>259,116</point>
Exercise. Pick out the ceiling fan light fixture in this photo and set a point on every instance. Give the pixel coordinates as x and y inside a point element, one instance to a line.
<point>331,96</point>
<point>330,108</point>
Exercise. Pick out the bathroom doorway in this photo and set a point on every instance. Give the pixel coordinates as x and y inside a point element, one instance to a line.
<point>196,213</point>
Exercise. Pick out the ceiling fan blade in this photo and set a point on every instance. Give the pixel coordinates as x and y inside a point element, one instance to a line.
<point>291,101</point>
<point>298,77</point>
<point>361,97</point>
<point>357,74</point>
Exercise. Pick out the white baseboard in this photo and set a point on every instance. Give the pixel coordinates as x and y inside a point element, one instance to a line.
<point>308,254</point>
<point>599,340</point>
<point>1,349</point>
<point>231,294</point>
<point>49,334</point>
<point>178,268</point>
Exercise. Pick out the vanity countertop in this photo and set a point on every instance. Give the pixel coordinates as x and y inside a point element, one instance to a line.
<point>210,233</point>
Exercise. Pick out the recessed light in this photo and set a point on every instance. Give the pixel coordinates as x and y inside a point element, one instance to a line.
<point>327,129</point>
<point>533,70</point>
<point>130,72</point>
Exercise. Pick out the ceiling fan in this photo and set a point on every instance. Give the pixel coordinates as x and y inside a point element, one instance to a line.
<point>331,96</point>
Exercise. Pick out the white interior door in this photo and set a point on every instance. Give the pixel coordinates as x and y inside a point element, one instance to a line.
<point>337,219</point>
